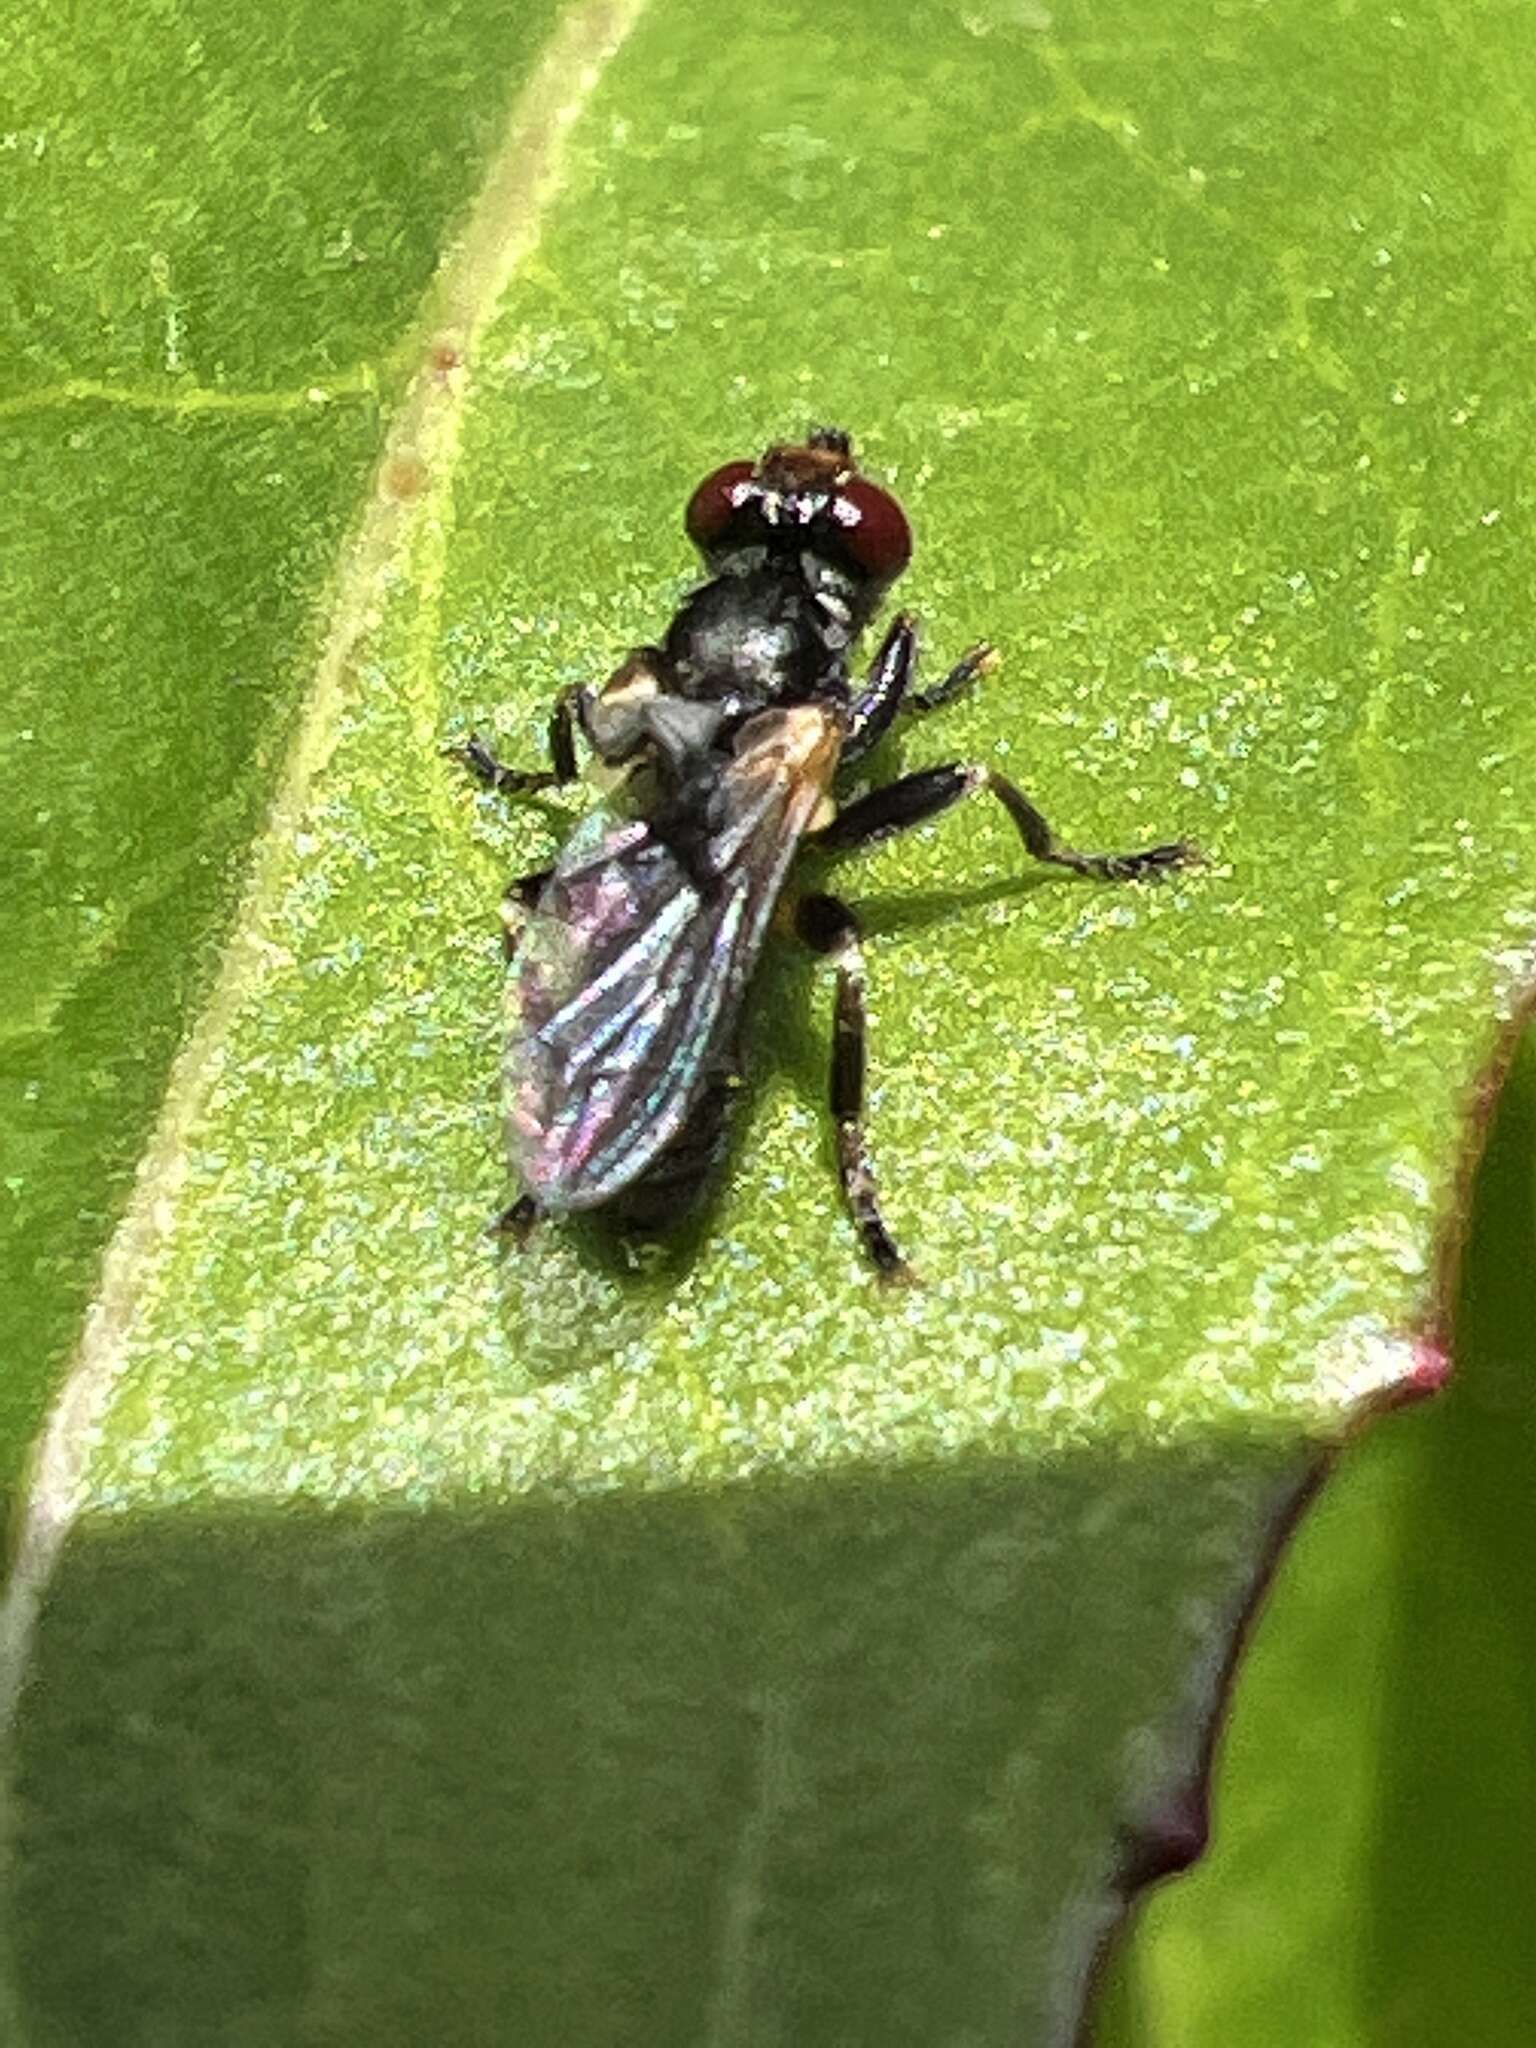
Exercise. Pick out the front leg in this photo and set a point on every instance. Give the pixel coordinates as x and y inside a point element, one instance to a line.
<point>630,717</point>
<point>482,763</point>
<point>890,674</point>
<point>888,688</point>
<point>916,798</point>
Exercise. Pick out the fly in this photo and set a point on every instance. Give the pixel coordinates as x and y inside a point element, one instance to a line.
<point>723,745</point>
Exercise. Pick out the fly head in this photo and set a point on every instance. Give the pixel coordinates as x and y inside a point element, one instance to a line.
<point>805,500</point>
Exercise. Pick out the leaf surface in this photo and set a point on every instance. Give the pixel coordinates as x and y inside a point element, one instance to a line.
<point>723,1637</point>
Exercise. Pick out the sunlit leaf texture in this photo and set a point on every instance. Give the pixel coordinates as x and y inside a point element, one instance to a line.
<point>714,1645</point>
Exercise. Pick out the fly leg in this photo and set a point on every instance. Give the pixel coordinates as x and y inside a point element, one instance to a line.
<point>888,688</point>
<point>918,797</point>
<point>830,927</point>
<point>482,763</point>
<point>976,661</point>
<point>890,675</point>
<point>613,722</point>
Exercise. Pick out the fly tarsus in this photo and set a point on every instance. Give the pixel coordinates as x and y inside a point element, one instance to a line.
<point>492,773</point>
<point>916,798</point>
<point>977,661</point>
<point>482,762</point>
<point>1145,864</point>
<point>828,926</point>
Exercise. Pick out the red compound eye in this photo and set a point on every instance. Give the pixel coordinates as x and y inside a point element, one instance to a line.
<point>874,529</point>
<point>714,504</point>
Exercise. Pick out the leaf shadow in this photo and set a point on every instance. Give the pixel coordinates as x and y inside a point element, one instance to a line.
<point>558,1717</point>
<point>889,914</point>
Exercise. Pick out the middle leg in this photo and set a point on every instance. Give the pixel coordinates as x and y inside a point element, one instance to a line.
<point>916,798</point>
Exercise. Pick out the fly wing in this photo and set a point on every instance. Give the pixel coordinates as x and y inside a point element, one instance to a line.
<point>629,977</point>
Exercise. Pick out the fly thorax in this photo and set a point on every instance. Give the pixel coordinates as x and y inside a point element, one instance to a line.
<point>757,636</point>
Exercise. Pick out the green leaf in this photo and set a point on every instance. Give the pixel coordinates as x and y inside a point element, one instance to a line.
<point>442,1644</point>
<point>1366,1882</point>
<point>215,233</point>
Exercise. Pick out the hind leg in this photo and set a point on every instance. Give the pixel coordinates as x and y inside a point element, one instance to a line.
<point>829,927</point>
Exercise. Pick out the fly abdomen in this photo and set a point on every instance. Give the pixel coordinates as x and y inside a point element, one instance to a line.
<point>679,1178</point>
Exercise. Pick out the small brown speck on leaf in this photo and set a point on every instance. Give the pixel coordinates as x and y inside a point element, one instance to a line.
<point>405,477</point>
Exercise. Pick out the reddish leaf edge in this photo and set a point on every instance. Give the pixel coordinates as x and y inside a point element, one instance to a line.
<point>1172,1839</point>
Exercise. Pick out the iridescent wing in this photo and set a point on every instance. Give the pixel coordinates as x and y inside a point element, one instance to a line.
<point>629,976</point>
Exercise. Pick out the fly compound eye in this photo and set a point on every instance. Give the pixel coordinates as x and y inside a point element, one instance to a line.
<point>715,504</point>
<point>874,529</point>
